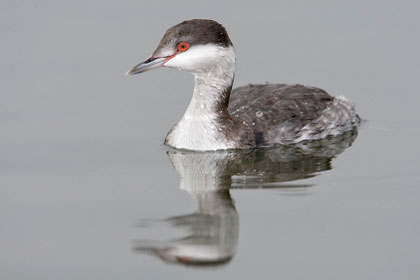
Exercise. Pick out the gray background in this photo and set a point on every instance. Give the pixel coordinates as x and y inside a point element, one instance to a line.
<point>81,159</point>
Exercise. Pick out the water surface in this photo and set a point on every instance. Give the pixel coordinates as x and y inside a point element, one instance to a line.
<point>88,191</point>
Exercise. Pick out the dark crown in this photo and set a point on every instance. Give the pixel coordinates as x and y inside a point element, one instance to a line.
<point>195,32</point>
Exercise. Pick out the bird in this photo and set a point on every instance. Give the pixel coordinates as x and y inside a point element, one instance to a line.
<point>247,117</point>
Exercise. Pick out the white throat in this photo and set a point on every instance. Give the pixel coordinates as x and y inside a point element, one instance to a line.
<point>213,68</point>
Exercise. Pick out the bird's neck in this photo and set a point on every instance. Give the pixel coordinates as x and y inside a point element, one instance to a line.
<point>212,90</point>
<point>201,127</point>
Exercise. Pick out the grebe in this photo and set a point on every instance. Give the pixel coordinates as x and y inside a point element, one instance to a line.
<point>219,118</point>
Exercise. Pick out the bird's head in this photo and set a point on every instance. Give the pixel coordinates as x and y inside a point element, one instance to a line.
<point>196,46</point>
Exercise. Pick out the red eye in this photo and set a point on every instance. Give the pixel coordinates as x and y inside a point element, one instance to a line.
<point>182,47</point>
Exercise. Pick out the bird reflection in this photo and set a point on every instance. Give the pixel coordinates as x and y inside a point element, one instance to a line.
<point>213,229</point>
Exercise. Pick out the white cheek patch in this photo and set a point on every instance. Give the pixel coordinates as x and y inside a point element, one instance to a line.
<point>200,58</point>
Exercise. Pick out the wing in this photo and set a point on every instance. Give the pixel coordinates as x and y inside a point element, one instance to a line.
<point>277,109</point>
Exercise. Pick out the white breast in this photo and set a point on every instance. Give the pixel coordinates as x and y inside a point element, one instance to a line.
<point>197,133</point>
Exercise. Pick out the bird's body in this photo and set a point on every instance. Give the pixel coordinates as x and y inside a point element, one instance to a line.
<point>285,114</point>
<point>251,116</point>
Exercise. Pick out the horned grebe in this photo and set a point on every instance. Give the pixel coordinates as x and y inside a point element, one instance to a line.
<point>219,118</point>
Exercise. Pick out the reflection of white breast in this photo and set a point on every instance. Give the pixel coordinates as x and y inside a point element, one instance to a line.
<point>201,172</point>
<point>194,253</point>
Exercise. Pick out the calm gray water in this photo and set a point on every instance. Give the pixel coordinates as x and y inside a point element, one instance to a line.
<point>88,191</point>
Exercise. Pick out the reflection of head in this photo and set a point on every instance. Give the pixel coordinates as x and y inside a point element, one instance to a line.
<point>213,230</point>
<point>212,233</point>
